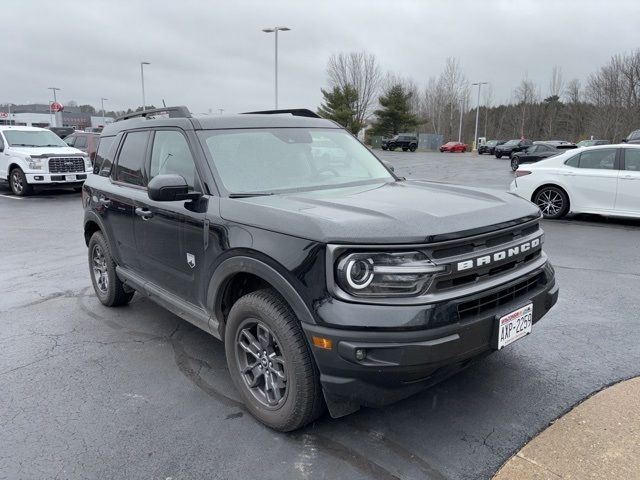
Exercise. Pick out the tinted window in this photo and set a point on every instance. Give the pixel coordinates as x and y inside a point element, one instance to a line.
<point>104,157</point>
<point>171,154</point>
<point>70,140</point>
<point>632,159</point>
<point>81,141</point>
<point>603,159</point>
<point>130,167</point>
<point>634,135</point>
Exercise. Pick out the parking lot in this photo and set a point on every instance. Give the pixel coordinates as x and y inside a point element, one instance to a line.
<point>136,392</point>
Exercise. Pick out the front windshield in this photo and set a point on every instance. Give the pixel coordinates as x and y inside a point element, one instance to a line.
<point>33,138</point>
<point>280,159</point>
<point>491,143</point>
<point>512,142</point>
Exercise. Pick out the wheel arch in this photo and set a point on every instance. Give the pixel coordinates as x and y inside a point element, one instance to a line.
<point>13,164</point>
<point>552,184</point>
<point>243,274</point>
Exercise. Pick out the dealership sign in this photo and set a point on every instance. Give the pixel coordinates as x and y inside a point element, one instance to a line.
<point>57,107</point>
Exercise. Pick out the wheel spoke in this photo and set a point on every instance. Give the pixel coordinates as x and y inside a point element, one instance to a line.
<point>251,345</point>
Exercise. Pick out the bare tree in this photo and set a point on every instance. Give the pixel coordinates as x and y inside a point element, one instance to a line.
<point>556,84</point>
<point>361,71</point>
<point>487,101</point>
<point>525,95</point>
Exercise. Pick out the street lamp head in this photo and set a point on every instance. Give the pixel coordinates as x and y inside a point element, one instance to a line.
<point>268,30</point>
<point>145,63</point>
<point>276,29</point>
<point>283,29</point>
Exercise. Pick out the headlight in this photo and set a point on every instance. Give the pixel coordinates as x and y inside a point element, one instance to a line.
<point>385,274</point>
<point>34,163</point>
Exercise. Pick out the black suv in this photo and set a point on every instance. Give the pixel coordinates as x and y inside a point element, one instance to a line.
<point>330,280</point>
<point>539,151</point>
<point>404,141</point>
<point>507,149</point>
<point>489,147</point>
<point>633,137</point>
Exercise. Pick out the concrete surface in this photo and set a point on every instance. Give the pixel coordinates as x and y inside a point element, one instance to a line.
<point>599,439</point>
<point>135,392</point>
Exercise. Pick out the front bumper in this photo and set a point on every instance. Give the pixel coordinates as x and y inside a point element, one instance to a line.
<point>399,363</point>
<point>55,178</point>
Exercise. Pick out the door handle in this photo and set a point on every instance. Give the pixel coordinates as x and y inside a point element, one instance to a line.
<point>145,213</point>
<point>105,202</point>
<point>628,177</point>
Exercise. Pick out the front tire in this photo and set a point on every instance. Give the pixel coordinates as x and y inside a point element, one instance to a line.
<point>552,201</point>
<point>392,147</point>
<point>384,148</point>
<point>270,362</point>
<point>108,287</point>
<point>498,155</point>
<point>413,148</point>
<point>18,183</point>
<point>515,163</point>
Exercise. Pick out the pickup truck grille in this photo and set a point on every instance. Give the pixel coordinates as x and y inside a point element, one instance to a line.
<point>66,165</point>
<point>501,297</point>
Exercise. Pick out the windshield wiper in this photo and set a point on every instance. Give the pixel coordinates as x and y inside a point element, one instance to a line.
<point>53,145</point>
<point>23,145</point>
<point>245,195</point>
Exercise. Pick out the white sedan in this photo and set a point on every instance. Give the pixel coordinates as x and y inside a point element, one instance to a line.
<point>603,180</point>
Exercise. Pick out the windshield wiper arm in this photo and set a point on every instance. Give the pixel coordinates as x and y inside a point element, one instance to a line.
<point>23,145</point>
<point>245,195</point>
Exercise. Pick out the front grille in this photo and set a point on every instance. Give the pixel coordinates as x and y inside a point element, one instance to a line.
<point>501,297</point>
<point>66,165</point>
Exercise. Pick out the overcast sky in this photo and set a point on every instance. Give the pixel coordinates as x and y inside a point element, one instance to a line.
<point>212,54</point>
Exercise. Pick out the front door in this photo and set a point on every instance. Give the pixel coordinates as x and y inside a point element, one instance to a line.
<point>628,198</point>
<point>170,236</point>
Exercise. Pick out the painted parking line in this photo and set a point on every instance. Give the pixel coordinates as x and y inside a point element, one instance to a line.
<point>12,197</point>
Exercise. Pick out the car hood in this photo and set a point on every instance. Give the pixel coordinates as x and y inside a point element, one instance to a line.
<point>412,211</point>
<point>46,151</point>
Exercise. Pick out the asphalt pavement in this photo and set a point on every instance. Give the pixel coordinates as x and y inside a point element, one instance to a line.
<point>135,392</point>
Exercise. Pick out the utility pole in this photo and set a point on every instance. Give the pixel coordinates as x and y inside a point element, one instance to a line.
<point>276,30</point>
<point>460,126</point>
<point>144,102</point>
<point>103,119</point>
<point>475,135</point>
<point>55,100</point>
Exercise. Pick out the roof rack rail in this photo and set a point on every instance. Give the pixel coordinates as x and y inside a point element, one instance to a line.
<point>166,112</point>
<point>298,112</point>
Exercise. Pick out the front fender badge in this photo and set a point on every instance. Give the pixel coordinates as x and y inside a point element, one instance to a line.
<point>191,260</point>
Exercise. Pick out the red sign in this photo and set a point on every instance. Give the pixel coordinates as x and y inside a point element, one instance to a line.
<point>57,107</point>
<point>4,114</point>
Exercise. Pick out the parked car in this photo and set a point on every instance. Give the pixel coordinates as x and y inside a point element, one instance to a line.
<point>62,132</point>
<point>404,141</point>
<point>602,180</point>
<point>538,151</point>
<point>85,141</point>
<point>453,147</point>
<point>592,143</point>
<point>510,147</point>
<point>633,137</point>
<point>489,147</point>
<point>32,157</point>
<point>337,285</point>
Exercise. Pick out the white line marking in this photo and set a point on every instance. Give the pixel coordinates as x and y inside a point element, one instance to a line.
<point>12,197</point>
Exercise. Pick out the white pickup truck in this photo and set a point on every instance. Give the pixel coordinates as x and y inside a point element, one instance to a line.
<point>31,157</point>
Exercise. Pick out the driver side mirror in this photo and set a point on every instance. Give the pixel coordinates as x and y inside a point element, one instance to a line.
<point>388,165</point>
<point>170,188</point>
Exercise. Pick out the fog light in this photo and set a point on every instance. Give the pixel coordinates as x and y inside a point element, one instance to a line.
<point>38,177</point>
<point>361,353</point>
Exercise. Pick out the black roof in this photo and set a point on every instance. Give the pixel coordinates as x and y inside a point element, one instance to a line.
<point>177,117</point>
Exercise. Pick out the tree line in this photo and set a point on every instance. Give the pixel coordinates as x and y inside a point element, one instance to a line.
<point>606,106</point>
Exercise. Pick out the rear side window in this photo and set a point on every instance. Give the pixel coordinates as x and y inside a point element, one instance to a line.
<point>635,135</point>
<point>632,159</point>
<point>131,160</point>
<point>601,159</point>
<point>70,140</point>
<point>104,157</point>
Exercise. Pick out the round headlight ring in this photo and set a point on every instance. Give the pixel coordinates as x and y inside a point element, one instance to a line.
<point>359,273</point>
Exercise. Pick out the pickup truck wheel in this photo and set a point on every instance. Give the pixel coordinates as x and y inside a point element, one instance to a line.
<point>552,201</point>
<point>515,163</point>
<point>18,183</point>
<point>412,148</point>
<point>108,287</point>
<point>270,362</point>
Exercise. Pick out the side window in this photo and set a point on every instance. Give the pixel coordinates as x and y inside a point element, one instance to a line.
<point>70,140</point>
<point>601,159</point>
<point>171,154</point>
<point>131,160</point>
<point>1,143</point>
<point>573,161</point>
<point>635,135</point>
<point>104,157</point>
<point>632,159</point>
<point>81,141</point>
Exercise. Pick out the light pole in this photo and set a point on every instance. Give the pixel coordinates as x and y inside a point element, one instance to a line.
<point>276,30</point>
<point>144,103</point>
<point>55,100</point>
<point>103,120</point>
<point>475,135</point>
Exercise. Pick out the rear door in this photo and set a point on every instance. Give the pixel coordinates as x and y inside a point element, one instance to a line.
<point>594,182</point>
<point>170,236</point>
<point>628,198</point>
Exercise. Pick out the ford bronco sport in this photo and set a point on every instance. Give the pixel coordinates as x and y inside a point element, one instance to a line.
<point>404,141</point>
<point>330,280</point>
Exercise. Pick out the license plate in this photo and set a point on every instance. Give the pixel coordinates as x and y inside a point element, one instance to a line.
<point>71,178</point>
<point>515,325</point>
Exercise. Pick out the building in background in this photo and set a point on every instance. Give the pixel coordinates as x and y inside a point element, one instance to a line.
<point>38,115</point>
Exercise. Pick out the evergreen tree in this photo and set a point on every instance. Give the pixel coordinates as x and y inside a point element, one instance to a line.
<point>339,105</point>
<point>395,115</point>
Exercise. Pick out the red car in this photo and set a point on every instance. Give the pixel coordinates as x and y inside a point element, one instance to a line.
<point>453,147</point>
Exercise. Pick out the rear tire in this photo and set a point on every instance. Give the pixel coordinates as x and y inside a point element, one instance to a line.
<point>384,148</point>
<point>392,147</point>
<point>18,183</point>
<point>108,287</point>
<point>515,163</point>
<point>552,201</point>
<point>270,362</point>
<point>498,155</point>
<point>413,148</point>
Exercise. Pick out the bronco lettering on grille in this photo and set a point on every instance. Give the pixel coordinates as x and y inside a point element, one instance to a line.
<point>498,256</point>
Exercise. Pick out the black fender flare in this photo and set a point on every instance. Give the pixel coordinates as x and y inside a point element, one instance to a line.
<point>245,264</point>
<point>91,216</point>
